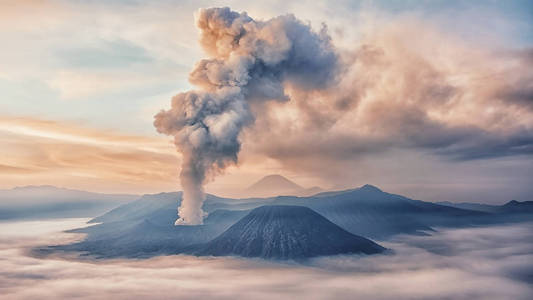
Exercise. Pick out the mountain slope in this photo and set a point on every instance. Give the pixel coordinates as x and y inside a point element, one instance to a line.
<point>366,211</point>
<point>160,208</point>
<point>149,237</point>
<point>286,232</point>
<point>370,212</point>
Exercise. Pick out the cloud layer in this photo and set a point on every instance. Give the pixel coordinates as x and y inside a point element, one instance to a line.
<point>477,263</point>
<point>405,86</point>
<point>59,153</point>
<point>433,96</point>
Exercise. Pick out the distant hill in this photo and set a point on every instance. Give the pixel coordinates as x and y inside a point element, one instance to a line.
<point>368,211</point>
<point>513,206</point>
<point>286,232</point>
<point>472,206</point>
<point>275,185</point>
<point>38,202</point>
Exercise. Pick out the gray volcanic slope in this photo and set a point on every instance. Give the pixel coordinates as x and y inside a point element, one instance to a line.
<point>286,232</point>
<point>145,227</point>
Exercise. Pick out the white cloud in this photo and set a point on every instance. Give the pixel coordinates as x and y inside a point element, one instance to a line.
<point>477,263</point>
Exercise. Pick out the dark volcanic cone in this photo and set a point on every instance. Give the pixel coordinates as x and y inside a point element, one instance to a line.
<point>286,232</point>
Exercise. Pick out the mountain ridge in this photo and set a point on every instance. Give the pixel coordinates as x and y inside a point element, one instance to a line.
<point>366,211</point>
<point>512,206</point>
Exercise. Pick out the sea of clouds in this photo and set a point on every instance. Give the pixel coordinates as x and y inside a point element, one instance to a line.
<point>475,263</point>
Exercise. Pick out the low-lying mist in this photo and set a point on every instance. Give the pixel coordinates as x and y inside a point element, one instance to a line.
<point>476,263</point>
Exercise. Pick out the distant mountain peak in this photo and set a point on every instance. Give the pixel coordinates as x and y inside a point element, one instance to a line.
<point>365,188</point>
<point>370,188</point>
<point>515,203</point>
<point>512,202</point>
<point>277,180</point>
<point>273,185</point>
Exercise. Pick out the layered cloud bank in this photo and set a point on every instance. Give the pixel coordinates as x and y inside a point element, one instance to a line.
<point>36,151</point>
<point>477,263</point>
<point>406,86</point>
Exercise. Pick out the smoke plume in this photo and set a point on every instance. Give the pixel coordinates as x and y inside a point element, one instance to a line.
<point>249,61</point>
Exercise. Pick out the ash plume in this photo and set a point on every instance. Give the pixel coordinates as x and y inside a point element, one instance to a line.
<point>249,61</point>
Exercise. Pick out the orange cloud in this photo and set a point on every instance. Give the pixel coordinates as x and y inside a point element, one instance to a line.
<point>405,86</point>
<point>62,153</point>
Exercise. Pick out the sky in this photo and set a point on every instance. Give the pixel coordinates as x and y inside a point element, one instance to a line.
<point>431,99</point>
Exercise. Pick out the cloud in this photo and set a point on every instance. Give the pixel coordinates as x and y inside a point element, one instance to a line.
<point>475,263</point>
<point>88,50</point>
<point>405,85</point>
<point>14,169</point>
<point>479,86</point>
<point>249,61</point>
<point>98,84</point>
<point>64,153</point>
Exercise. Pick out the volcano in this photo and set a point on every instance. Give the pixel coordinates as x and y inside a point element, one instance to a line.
<point>286,232</point>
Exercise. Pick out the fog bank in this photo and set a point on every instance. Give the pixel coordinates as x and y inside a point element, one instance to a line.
<point>477,263</point>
